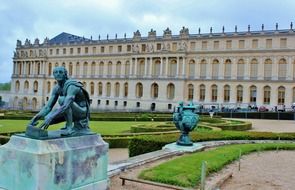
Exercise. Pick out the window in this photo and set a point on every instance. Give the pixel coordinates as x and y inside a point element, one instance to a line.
<point>241,69</point>
<point>35,87</point>
<point>266,95</point>
<point>107,102</point>
<point>282,69</point>
<point>98,102</point>
<point>140,67</point>
<point>93,69</point>
<point>86,50</point>
<point>156,68</point>
<point>64,50</point>
<point>94,50</point>
<point>137,104</point>
<point>91,88</point>
<point>172,68</point>
<point>170,91</point>
<point>154,90</point>
<point>226,93</point>
<point>174,46</point>
<point>57,51</point>
<point>50,69</point>
<point>267,68</point>
<point>125,103</point>
<point>228,44</point>
<point>116,103</point>
<point>117,89</point>
<point>204,45</point>
<point>158,46</point>
<point>50,51</point>
<point>102,49</point>
<point>139,90</point>
<point>119,48</point>
<point>143,47</point>
<point>169,106</point>
<point>216,45</point>
<point>215,69</point>
<point>283,42</point>
<point>253,68</point>
<point>268,43</point>
<point>126,89</point>
<point>109,71</point>
<point>193,46</point>
<point>253,94</point>
<point>281,95</point>
<point>99,89</point>
<point>227,69</point>
<point>202,92</point>
<point>241,44</point>
<point>128,48</point>
<point>239,94</point>
<point>110,49</point>
<point>127,68</point>
<point>71,50</point>
<point>78,50</point>
<point>48,87</point>
<point>118,68</point>
<point>255,43</point>
<point>214,93</point>
<point>17,85</point>
<point>203,70</point>
<point>190,95</point>
<point>191,68</point>
<point>108,94</point>
<point>100,68</point>
<point>85,68</point>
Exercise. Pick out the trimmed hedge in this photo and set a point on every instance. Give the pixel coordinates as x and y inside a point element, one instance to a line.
<point>152,127</point>
<point>144,144</point>
<point>233,125</point>
<point>118,142</point>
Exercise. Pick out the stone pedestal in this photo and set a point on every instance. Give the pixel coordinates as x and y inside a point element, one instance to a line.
<point>70,163</point>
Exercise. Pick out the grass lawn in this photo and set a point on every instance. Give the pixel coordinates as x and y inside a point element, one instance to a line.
<point>185,171</point>
<point>102,127</point>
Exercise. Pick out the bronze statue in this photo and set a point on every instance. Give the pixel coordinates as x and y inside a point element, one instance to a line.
<point>74,108</point>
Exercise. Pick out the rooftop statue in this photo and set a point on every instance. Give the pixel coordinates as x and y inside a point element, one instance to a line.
<point>74,109</point>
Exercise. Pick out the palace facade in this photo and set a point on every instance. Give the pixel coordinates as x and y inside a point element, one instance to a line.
<point>156,72</point>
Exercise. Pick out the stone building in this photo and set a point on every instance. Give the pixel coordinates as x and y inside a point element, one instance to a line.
<point>158,71</point>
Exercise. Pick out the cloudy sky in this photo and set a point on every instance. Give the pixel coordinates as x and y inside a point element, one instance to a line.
<point>21,19</point>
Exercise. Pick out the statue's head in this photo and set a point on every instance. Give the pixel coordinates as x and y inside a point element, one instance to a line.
<point>60,73</point>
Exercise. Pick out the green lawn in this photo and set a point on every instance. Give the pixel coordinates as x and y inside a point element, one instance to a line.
<point>102,127</point>
<point>185,171</point>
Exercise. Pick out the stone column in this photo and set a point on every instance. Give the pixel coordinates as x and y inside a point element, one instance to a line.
<point>275,69</point>
<point>150,66</point>
<point>289,68</point>
<point>161,67</point>
<point>233,94</point>
<point>177,67</point>
<point>145,67</point>
<point>183,67</point>
<point>260,75</point>
<point>209,69</point>
<point>234,68</point>
<point>167,67</point>
<point>135,66</point>
<point>197,68</point>
<point>130,67</point>
<point>221,69</point>
<point>247,68</point>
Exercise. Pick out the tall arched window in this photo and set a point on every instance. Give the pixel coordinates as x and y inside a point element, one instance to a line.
<point>17,85</point>
<point>78,69</point>
<point>267,69</point>
<point>118,68</point>
<point>215,69</point>
<point>191,68</point>
<point>28,69</point>
<point>239,94</point>
<point>19,68</point>
<point>101,66</point>
<point>141,68</point>
<point>202,92</point>
<point>100,89</point>
<point>253,69</point>
<point>35,87</point>
<point>70,69</point>
<point>155,90</point>
<point>281,95</point>
<point>125,89</point>
<point>48,87</point>
<point>190,93</point>
<point>282,69</point>
<point>139,90</point>
<point>110,70</point>
<point>25,102</point>
<point>203,69</point>
<point>38,69</point>
<point>227,68</point>
<point>34,103</point>
<point>156,68</point>
<point>253,94</point>
<point>266,95</point>
<point>108,89</point>
<point>241,69</point>
<point>49,69</point>
<point>214,93</point>
<point>170,91</point>
<point>93,68</point>
<point>117,89</point>
<point>127,68</point>
<point>26,86</point>
<point>85,68</point>
<point>92,88</point>
<point>226,93</point>
<point>15,102</point>
<point>172,68</point>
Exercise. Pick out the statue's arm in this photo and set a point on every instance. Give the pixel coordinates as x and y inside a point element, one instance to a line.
<point>46,109</point>
<point>69,99</point>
